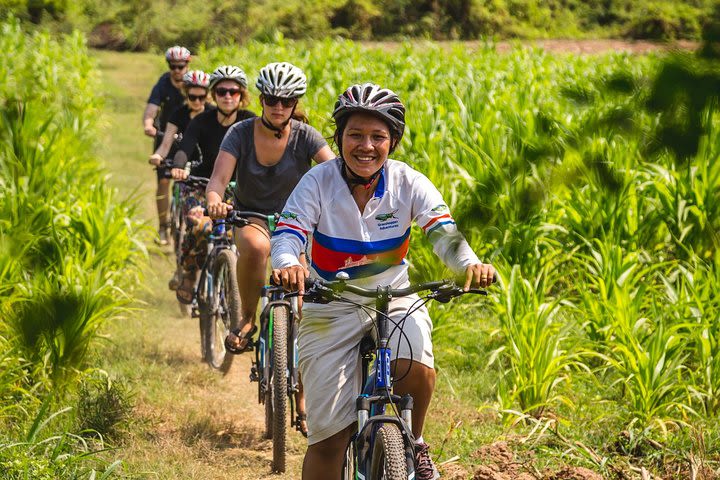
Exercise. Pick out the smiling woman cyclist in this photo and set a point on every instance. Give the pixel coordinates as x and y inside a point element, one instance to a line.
<point>359,209</point>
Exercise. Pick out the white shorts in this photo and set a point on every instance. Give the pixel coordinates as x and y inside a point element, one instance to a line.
<point>329,359</point>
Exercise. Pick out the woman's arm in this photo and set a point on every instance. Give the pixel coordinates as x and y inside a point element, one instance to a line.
<point>165,146</point>
<point>221,176</point>
<point>323,155</point>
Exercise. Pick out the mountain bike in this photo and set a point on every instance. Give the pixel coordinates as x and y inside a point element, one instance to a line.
<point>275,367</point>
<point>383,446</point>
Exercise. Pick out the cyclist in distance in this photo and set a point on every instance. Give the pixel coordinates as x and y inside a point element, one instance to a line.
<point>228,87</point>
<point>195,88</point>
<point>196,84</point>
<point>165,97</point>
<point>267,156</point>
<point>358,210</point>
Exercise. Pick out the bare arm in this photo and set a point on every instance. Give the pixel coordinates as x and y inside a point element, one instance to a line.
<point>323,155</point>
<point>151,111</point>
<point>221,176</point>
<point>164,147</point>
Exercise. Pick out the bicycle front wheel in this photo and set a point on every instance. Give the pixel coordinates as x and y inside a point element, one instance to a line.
<point>225,312</point>
<point>279,386</point>
<point>388,454</point>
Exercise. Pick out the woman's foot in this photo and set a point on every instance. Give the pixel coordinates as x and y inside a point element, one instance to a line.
<point>174,282</point>
<point>186,290</point>
<point>239,340</point>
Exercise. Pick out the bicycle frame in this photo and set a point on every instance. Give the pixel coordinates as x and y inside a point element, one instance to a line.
<point>372,402</point>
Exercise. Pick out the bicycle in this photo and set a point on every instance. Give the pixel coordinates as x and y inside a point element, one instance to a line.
<point>383,445</point>
<point>275,367</point>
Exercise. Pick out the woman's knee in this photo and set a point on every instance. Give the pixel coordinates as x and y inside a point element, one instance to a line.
<point>252,243</point>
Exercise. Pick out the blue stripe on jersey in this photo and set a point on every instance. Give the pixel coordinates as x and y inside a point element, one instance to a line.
<point>438,225</point>
<point>358,247</point>
<point>290,230</point>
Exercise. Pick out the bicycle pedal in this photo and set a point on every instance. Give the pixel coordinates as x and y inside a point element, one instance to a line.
<point>254,374</point>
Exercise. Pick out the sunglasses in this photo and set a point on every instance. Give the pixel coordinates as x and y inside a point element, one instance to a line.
<point>221,92</point>
<point>196,98</point>
<point>286,102</point>
<point>172,66</point>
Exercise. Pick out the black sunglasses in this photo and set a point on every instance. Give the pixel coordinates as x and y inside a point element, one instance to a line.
<point>195,98</point>
<point>221,92</point>
<point>286,102</point>
<point>172,66</point>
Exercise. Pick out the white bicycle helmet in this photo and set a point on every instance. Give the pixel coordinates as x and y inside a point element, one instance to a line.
<point>196,78</point>
<point>177,54</point>
<point>228,72</point>
<point>283,80</point>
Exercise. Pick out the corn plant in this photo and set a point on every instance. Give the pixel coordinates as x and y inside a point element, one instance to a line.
<point>537,350</point>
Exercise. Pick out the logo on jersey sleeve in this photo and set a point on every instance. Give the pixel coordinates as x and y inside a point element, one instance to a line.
<point>442,208</point>
<point>288,215</point>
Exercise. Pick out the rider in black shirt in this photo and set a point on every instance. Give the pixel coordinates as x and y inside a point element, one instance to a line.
<point>165,97</point>
<point>228,86</point>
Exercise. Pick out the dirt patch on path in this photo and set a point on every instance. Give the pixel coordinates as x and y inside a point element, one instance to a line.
<point>501,463</point>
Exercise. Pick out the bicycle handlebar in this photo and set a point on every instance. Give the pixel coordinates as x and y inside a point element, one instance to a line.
<point>323,291</point>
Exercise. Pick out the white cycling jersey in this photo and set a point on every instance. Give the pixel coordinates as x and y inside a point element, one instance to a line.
<point>369,246</point>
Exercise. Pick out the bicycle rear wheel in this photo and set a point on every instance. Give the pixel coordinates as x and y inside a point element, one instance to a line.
<point>224,314</point>
<point>279,386</point>
<point>388,454</point>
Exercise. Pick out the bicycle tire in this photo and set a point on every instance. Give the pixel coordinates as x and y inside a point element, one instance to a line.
<point>388,454</point>
<point>279,387</point>
<point>225,312</point>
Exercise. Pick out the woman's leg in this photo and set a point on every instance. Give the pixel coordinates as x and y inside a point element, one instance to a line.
<point>420,383</point>
<point>253,244</point>
<point>324,460</point>
<point>162,200</point>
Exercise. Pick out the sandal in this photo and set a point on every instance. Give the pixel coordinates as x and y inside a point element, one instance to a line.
<point>175,281</point>
<point>301,423</point>
<point>186,290</point>
<point>230,347</point>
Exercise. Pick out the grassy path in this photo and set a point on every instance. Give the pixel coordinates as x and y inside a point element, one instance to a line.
<point>189,422</point>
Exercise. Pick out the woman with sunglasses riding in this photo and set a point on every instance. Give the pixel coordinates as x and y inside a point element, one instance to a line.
<point>165,98</point>
<point>195,87</point>
<point>267,156</point>
<point>358,209</point>
<point>228,87</point>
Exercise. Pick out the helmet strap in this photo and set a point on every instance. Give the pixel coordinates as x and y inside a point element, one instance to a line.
<point>278,130</point>
<point>225,115</point>
<point>353,179</point>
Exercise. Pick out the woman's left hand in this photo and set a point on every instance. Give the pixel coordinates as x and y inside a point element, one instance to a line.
<point>479,275</point>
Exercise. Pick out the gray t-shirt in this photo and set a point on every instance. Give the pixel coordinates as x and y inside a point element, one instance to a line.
<point>265,189</point>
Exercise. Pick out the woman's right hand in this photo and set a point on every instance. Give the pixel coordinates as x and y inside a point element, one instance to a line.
<point>292,278</point>
<point>155,159</point>
<point>216,207</point>
<point>178,174</point>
